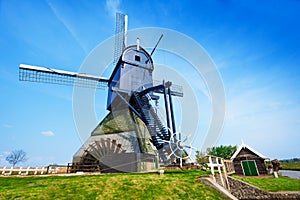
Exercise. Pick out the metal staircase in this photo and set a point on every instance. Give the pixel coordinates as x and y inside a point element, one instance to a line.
<point>159,134</point>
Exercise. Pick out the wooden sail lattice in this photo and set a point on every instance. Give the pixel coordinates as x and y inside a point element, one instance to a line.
<point>52,76</point>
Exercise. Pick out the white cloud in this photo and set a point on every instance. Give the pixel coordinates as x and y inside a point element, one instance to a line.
<point>7,126</point>
<point>47,133</point>
<point>67,26</point>
<point>112,6</point>
<point>263,119</point>
<point>4,154</point>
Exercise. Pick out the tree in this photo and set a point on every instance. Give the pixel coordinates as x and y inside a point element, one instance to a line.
<point>16,156</point>
<point>222,151</point>
<point>201,158</point>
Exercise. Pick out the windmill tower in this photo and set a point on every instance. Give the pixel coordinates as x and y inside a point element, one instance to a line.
<point>132,137</point>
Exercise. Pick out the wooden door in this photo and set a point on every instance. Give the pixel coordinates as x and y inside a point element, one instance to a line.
<point>249,168</point>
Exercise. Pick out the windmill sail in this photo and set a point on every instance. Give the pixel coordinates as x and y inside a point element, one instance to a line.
<point>120,35</point>
<point>53,76</point>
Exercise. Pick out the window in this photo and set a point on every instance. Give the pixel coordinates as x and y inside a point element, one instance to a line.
<point>137,58</point>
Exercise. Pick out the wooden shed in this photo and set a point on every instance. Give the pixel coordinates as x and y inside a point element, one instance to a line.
<point>249,162</point>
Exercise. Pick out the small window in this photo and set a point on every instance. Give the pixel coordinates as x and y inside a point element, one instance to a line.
<point>137,58</point>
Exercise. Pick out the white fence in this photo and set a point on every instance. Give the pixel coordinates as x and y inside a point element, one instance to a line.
<point>221,167</point>
<point>28,171</point>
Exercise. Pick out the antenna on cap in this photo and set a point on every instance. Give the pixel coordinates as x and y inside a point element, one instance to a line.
<point>156,44</point>
<point>155,47</point>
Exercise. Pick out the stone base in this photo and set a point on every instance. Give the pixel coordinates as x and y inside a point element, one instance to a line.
<point>243,190</point>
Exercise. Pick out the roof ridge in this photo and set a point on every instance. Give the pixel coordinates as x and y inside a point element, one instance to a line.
<point>243,145</point>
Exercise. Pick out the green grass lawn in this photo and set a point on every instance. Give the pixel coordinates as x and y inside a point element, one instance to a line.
<point>272,184</point>
<point>291,166</point>
<point>171,185</point>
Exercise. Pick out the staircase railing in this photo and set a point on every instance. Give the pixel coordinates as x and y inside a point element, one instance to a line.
<point>154,125</point>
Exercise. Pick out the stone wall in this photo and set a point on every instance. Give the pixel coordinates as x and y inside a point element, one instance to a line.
<point>243,190</point>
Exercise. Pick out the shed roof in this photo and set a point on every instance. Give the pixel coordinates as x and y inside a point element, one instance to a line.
<point>243,146</point>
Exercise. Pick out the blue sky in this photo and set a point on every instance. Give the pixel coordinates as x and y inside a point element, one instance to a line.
<point>254,44</point>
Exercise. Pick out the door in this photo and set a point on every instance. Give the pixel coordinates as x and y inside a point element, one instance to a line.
<point>249,168</point>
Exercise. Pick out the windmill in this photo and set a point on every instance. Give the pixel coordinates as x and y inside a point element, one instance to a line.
<point>132,137</point>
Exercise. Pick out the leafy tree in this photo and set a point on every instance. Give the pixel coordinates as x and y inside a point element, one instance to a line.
<point>222,151</point>
<point>201,158</point>
<point>16,156</point>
